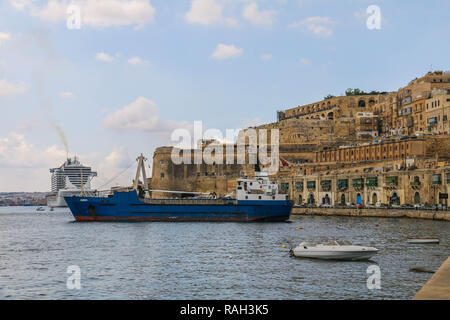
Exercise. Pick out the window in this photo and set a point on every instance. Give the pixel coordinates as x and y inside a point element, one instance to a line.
<point>285,186</point>
<point>162,175</point>
<point>372,182</point>
<point>311,185</point>
<point>436,179</point>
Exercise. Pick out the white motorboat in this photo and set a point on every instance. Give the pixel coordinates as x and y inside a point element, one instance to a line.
<point>337,250</point>
<point>423,240</point>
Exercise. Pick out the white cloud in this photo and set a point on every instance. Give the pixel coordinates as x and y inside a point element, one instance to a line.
<point>8,88</point>
<point>4,37</point>
<point>141,115</point>
<point>136,61</point>
<point>208,12</point>
<point>24,167</point>
<point>21,4</point>
<point>319,26</point>
<point>15,151</point>
<point>66,95</point>
<point>112,169</point>
<point>266,56</point>
<point>304,61</point>
<point>118,158</point>
<point>361,14</point>
<point>104,57</point>
<point>224,51</point>
<point>257,17</point>
<point>95,13</point>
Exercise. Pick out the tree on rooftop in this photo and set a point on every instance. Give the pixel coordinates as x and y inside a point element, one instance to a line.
<point>359,92</point>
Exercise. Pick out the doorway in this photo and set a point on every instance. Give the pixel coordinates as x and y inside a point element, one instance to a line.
<point>374,199</point>
<point>311,199</point>
<point>343,200</point>
<point>358,199</point>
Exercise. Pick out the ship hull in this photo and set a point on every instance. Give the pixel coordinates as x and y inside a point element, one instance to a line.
<point>126,206</point>
<point>56,202</point>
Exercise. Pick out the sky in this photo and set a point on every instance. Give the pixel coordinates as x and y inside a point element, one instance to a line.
<point>135,70</point>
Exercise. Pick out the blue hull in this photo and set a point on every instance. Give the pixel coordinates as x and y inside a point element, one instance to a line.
<point>126,206</point>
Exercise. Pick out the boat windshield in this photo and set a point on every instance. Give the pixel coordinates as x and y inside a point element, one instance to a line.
<point>339,243</point>
<point>344,243</point>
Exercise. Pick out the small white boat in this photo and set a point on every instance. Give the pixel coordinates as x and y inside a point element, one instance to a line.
<point>423,240</point>
<point>337,250</point>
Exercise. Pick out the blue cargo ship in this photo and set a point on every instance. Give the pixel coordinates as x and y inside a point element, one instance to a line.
<point>256,199</point>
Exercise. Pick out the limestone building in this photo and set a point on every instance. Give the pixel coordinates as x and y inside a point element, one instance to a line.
<point>370,149</point>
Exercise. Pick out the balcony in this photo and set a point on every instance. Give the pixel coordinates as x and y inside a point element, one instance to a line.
<point>415,184</point>
<point>326,185</point>
<point>311,185</point>
<point>372,182</point>
<point>285,186</point>
<point>342,185</point>
<point>391,182</point>
<point>358,183</point>
<point>436,180</point>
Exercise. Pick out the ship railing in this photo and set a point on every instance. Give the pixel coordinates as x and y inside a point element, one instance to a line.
<point>103,193</point>
<point>191,201</point>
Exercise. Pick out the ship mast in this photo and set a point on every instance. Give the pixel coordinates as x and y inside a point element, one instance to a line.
<point>82,183</point>
<point>141,168</point>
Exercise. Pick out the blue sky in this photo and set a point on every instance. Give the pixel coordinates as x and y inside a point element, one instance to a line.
<point>138,69</point>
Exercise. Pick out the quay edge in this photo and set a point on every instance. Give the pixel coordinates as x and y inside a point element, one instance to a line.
<point>387,213</point>
<point>438,287</point>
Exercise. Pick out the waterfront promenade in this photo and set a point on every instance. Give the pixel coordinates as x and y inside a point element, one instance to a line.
<point>438,287</point>
<point>384,213</point>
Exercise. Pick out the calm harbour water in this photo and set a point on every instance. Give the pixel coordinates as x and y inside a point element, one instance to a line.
<point>208,260</point>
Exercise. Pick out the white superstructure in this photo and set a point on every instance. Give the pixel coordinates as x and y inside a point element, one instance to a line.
<point>70,175</point>
<point>258,188</point>
<point>70,179</point>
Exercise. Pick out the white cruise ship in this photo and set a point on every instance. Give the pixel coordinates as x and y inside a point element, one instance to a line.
<point>70,179</point>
